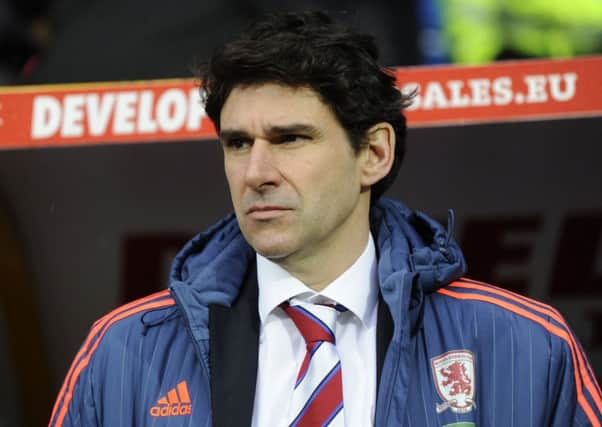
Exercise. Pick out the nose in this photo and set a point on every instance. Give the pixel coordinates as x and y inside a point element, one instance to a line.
<point>262,172</point>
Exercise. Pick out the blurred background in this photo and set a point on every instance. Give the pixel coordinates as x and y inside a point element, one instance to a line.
<point>83,230</point>
<point>43,41</point>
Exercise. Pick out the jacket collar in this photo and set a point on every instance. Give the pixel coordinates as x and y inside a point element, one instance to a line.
<point>234,343</point>
<point>416,255</point>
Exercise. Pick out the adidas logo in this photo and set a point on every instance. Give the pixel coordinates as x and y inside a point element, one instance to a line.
<point>176,402</point>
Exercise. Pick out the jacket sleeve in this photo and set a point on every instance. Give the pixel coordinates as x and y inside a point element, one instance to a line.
<point>574,391</point>
<point>75,404</point>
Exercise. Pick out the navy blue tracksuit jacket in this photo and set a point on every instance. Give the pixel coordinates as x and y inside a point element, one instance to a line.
<point>450,351</point>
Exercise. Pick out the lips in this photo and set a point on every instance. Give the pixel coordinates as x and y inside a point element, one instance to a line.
<point>265,212</point>
<point>264,208</point>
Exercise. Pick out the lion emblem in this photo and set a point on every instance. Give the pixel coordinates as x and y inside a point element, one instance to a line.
<point>454,379</point>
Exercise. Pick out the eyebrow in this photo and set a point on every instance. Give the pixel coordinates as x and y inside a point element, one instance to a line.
<point>226,134</point>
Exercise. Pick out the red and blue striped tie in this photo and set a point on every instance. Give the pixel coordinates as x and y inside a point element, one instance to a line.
<point>317,398</point>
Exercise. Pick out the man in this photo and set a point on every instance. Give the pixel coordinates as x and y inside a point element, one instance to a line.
<point>318,302</point>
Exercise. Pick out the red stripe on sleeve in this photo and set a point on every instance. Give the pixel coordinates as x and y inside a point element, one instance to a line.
<point>586,374</point>
<point>91,344</point>
<point>561,333</point>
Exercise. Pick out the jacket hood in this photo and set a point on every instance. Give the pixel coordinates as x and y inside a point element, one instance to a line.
<point>214,262</point>
<point>413,250</point>
<point>412,241</point>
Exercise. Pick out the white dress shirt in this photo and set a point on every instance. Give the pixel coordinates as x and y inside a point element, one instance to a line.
<point>282,348</point>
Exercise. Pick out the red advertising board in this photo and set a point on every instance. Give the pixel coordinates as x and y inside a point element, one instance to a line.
<point>170,110</point>
<point>505,91</point>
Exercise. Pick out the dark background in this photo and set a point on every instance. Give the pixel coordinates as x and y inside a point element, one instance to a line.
<point>83,230</point>
<point>97,226</point>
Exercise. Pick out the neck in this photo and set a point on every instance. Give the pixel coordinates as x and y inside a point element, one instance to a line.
<point>318,272</point>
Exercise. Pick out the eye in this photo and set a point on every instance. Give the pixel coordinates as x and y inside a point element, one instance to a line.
<point>237,143</point>
<point>290,138</point>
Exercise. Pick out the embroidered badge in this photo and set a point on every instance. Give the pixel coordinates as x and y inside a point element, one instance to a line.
<point>455,380</point>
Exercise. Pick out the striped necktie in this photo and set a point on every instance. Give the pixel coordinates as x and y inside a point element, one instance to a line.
<point>317,398</point>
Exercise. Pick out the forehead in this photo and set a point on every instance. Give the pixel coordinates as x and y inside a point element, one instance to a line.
<point>272,104</point>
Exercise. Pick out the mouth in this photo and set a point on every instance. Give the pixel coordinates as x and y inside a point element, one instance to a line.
<point>265,212</point>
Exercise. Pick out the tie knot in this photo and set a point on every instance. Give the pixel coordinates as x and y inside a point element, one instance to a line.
<point>315,322</point>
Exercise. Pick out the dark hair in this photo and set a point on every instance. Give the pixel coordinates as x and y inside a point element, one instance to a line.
<point>310,50</point>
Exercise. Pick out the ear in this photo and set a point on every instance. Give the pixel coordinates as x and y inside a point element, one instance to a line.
<point>378,153</point>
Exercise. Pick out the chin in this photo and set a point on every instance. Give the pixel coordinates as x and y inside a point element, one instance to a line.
<point>273,254</point>
<point>272,250</point>
<point>272,243</point>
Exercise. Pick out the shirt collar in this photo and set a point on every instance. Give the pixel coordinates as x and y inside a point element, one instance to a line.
<point>276,285</point>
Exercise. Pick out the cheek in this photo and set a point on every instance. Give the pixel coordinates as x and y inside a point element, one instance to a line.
<point>236,194</point>
<point>339,181</point>
<point>335,193</point>
<point>233,178</point>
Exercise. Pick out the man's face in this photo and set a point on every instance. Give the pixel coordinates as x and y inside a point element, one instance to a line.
<point>294,178</point>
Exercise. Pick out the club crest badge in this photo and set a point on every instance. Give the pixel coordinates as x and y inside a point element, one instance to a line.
<point>454,376</point>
